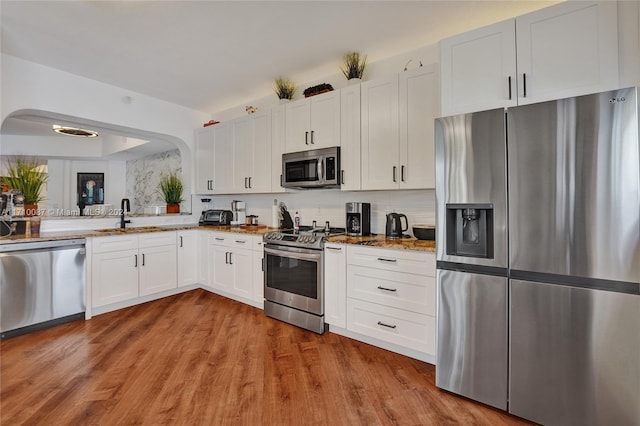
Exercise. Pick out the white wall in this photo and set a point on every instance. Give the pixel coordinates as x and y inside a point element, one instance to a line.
<point>62,183</point>
<point>29,86</point>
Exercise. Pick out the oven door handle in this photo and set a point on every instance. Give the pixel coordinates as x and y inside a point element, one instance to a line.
<point>283,252</point>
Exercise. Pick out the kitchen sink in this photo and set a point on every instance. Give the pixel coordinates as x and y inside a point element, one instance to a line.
<point>136,229</point>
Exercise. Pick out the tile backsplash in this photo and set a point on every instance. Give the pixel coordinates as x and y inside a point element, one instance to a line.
<point>322,205</point>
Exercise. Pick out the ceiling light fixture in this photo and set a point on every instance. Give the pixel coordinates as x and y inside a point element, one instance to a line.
<point>74,131</point>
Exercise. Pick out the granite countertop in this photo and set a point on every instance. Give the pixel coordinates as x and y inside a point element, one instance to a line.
<point>87,233</point>
<point>383,242</point>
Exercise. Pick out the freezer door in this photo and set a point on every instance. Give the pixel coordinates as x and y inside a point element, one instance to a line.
<point>574,355</point>
<point>574,197</point>
<point>472,336</point>
<point>471,171</point>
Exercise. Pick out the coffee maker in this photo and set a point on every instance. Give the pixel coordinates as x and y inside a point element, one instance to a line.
<point>239,209</point>
<point>358,219</point>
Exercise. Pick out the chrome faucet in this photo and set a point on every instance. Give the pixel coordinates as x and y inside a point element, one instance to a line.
<point>123,203</point>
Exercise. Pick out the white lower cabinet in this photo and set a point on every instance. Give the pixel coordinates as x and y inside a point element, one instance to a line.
<point>126,267</point>
<point>335,284</point>
<point>187,248</point>
<point>404,328</point>
<point>231,267</point>
<point>391,296</point>
<point>258,271</point>
<point>114,277</point>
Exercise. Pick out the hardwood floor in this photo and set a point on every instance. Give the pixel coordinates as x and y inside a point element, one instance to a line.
<point>201,359</point>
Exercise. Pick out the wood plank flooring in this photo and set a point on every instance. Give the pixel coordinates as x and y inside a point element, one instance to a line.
<point>201,359</point>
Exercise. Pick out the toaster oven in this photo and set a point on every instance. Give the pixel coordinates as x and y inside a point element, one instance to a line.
<point>216,217</point>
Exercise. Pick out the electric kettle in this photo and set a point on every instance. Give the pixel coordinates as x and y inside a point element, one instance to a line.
<point>394,225</point>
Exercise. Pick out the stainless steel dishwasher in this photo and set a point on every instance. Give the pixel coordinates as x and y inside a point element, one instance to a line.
<point>41,284</point>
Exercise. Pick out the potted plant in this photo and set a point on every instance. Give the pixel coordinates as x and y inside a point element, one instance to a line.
<point>285,89</point>
<point>171,189</point>
<point>24,176</point>
<point>353,65</point>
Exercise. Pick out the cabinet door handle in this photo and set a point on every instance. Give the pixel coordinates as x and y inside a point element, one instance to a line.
<point>402,173</point>
<point>230,258</point>
<point>382,259</point>
<point>180,240</point>
<point>245,183</point>
<point>524,85</point>
<point>334,248</point>
<point>135,262</point>
<point>142,259</point>
<point>249,182</point>
<point>380,323</point>
<point>394,173</point>
<point>387,289</point>
<point>226,257</point>
<point>509,80</point>
<point>312,143</point>
<point>306,138</point>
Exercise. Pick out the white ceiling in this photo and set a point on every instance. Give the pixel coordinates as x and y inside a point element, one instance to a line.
<point>213,55</point>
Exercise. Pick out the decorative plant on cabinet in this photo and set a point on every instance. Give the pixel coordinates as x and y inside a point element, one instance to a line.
<point>353,65</point>
<point>285,89</point>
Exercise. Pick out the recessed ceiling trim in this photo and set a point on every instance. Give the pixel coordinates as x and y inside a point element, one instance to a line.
<point>74,131</point>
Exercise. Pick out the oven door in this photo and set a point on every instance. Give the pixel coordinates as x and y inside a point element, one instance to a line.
<point>293,277</point>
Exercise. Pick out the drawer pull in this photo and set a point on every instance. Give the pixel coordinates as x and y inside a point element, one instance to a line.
<point>387,289</point>
<point>380,323</point>
<point>219,239</point>
<point>334,248</point>
<point>241,241</point>
<point>382,259</point>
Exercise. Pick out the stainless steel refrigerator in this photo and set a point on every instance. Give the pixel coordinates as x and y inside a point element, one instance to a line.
<point>538,257</point>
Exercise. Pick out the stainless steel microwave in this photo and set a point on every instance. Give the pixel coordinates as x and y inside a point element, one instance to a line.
<point>318,168</point>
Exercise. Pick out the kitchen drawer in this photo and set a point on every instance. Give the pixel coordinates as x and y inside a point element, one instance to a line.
<point>155,239</point>
<point>241,241</point>
<point>412,292</point>
<point>114,243</point>
<point>411,262</point>
<point>258,244</point>
<point>220,238</point>
<point>408,329</point>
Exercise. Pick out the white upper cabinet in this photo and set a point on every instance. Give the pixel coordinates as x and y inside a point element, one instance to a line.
<point>277,147</point>
<point>242,155</point>
<point>478,69</point>
<point>261,152</point>
<point>350,138</point>
<point>565,50</point>
<point>243,152</point>
<point>204,158</point>
<point>397,130</point>
<point>380,147</point>
<point>223,159</point>
<point>313,122</point>
<point>418,107</point>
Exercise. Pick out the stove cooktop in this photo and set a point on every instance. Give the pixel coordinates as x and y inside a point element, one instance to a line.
<point>306,237</point>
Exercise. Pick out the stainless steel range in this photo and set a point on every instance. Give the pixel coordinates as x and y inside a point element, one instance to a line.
<point>293,276</point>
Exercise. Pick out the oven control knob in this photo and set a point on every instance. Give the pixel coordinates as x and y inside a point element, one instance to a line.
<point>312,239</point>
<point>279,236</point>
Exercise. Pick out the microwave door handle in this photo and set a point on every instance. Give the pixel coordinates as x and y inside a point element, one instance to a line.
<point>321,170</point>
